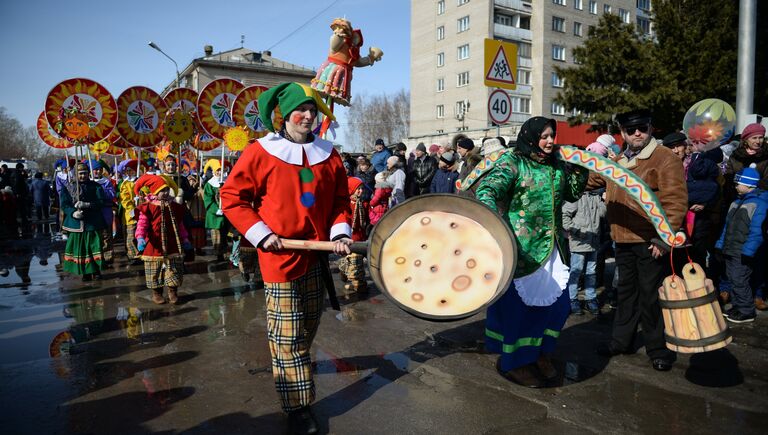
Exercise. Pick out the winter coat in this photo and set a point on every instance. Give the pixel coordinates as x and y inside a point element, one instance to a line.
<point>743,234</point>
<point>444,181</point>
<point>702,178</point>
<point>155,218</point>
<point>379,159</point>
<point>90,193</point>
<point>424,170</point>
<point>662,171</point>
<point>534,193</point>
<point>468,163</point>
<point>582,220</point>
<point>41,192</point>
<point>380,202</point>
<point>397,180</point>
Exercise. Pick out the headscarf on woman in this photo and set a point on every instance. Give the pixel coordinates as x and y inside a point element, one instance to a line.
<point>528,139</point>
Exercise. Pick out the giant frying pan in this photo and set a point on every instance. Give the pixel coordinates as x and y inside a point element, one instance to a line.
<point>439,257</point>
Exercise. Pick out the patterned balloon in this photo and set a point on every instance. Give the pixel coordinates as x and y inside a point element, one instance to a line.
<point>709,124</point>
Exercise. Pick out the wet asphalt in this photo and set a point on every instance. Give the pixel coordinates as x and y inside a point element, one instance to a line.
<point>100,358</point>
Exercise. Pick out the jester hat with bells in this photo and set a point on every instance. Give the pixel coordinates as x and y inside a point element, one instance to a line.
<point>289,96</point>
<point>149,184</point>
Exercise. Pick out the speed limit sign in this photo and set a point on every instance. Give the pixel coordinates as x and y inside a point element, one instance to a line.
<point>499,106</point>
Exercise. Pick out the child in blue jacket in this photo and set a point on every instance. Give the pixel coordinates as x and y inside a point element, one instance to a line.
<point>740,241</point>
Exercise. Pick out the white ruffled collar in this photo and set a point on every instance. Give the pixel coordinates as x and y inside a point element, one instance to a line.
<point>291,152</point>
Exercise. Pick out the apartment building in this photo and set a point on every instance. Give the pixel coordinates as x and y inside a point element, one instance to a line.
<point>447,36</point>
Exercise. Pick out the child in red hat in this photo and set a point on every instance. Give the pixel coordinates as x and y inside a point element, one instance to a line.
<point>351,267</point>
<point>161,235</point>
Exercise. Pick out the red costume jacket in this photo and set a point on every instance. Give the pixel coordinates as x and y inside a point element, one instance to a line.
<point>150,226</point>
<point>297,191</point>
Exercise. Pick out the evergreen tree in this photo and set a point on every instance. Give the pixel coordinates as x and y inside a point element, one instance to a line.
<point>616,71</point>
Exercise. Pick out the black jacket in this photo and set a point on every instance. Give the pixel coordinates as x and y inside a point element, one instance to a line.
<point>423,171</point>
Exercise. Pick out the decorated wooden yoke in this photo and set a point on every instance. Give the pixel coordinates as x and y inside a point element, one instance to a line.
<point>693,320</point>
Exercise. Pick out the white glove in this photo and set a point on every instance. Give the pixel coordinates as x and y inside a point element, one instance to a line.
<point>79,205</point>
<point>219,212</point>
<point>180,200</point>
<point>77,214</point>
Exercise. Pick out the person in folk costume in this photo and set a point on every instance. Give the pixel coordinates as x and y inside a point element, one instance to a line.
<point>98,169</point>
<point>82,203</point>
<point>351,267</point>
<point>214,218</point>
<point>127,201</point>
<point>291,184</point>
<point>197,213</point>
<point>183,193</point>
<point>524,324</point>
<point>334,76</point>
<point>161,235</point>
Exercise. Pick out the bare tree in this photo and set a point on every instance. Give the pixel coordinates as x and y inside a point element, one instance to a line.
<point>18,142</point>
<point>384,116</point>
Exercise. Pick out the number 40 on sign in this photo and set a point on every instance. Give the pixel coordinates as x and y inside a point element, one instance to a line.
<point>499,106</point>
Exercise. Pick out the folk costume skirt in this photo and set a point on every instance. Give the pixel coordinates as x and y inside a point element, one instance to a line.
<point>83,254</point>
<point>521,331</point>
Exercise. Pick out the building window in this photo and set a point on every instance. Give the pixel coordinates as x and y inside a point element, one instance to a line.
<point>441,7</point>
<point>559,2</point>
<point>523,77</point>
<point>558,24</point>
<point>558,109</point>
<point>558,52</point>
<point>462,24</point>
<point>462,107</point>
<point>502,19</point>
<point>524,50</point>
<point>557,82</point>
<point>624,15</point>
<point>521,105</point>
<point>462,79</point>
<point>607,9</point>
<point>440,59</point>
<point>593,7</point>
<point>440,109</point>
<point>644,5</point>
<point>644,25</point>
<point>463,52</point>
<point>577,4</point>
<point>577,29</point>
<point>462,2</point>
<point>440,33</point>
<point>440,85</point>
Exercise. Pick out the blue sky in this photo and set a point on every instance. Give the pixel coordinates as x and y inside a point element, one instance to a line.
<point>45,42</point>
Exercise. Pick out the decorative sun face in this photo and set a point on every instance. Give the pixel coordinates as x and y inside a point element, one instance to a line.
<point>140,110</point>
<point>75,128</point>
<point>214,107</point>
<point>179,126</point>
<point>93,105</point>
<point>49,136</point>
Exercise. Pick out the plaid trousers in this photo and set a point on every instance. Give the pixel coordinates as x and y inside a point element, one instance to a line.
<point>293,316</point>
<point>130,242</point>
<point>107,243</point>
<point>219,241</point>
<point>249,262</point>
<point>157,276</point>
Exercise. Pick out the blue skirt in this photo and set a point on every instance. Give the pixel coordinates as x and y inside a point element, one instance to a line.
<point>522,333</point>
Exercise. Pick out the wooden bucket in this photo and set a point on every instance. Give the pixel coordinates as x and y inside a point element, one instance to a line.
<point>693,321</point>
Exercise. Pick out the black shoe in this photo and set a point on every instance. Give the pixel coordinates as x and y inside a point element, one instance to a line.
<point>609,349</point>
<point>661,364</point>
<point>301,421</point>
<point>739,317</point>
<point>727,313</point>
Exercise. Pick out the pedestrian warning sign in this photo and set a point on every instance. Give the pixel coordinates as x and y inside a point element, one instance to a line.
<point>500,64</point>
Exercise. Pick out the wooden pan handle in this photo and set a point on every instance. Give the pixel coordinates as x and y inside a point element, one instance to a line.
<point>315,245</point>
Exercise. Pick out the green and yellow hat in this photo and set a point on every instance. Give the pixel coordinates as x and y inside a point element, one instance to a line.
<point>289,96</point>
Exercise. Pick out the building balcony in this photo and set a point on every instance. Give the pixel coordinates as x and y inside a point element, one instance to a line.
<point>515,5</point>
<point>522,90</point>
<point>524,62</point>
<point>512,33</point>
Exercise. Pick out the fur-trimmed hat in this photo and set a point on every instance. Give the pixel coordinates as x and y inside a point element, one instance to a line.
<point>289,96</point>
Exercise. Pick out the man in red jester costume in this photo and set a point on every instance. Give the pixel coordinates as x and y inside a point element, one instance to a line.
<point>291,185</point>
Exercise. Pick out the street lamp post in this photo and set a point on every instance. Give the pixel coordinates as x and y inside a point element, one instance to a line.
<point>178,77</point>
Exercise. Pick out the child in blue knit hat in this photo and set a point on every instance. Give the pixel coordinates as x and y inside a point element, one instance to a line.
<point>740,241</point>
